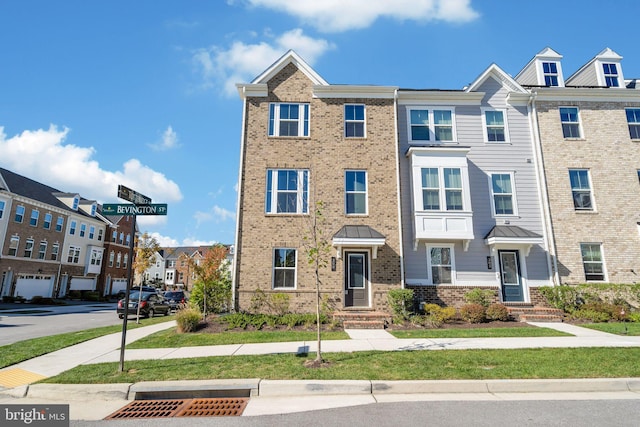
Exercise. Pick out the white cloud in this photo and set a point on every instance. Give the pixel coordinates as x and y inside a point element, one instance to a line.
<point>216,214</point>
<point>168,141</point>
<point>74,169</point>
<point>243,62</point>
<point>168,242</point>
<point>340,15</point>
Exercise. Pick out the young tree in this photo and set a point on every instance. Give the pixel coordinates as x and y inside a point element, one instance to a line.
<point>145,250</point>
<point>212,289</point>
<point>317,248</point>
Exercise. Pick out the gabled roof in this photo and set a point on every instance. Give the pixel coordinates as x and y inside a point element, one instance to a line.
<point>606,54</point>
<point>498,74</point>
<point>291,57</point>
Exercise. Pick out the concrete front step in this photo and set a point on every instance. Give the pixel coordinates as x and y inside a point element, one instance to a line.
<point>363,324</point>
<point>523,313</point>
<point>362,319</point>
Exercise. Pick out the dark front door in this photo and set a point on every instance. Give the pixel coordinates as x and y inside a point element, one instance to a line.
<point>356,281</point>
<point>510,276</point>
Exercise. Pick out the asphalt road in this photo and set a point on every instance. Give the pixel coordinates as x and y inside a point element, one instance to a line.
<point>24,321</point>
<point>548,413</point>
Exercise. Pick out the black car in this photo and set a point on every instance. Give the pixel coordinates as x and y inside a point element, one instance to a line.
<point>150,304</point>
<point>175,299</point>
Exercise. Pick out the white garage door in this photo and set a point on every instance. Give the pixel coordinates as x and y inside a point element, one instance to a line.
<point>83,284</point>
<point>118,285</point>
<point>30,286</point>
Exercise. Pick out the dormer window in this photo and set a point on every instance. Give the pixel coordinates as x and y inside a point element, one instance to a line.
<point>550,73</point>
<point>610,75</point>
<point>76,202</point>
<point>93,209</point>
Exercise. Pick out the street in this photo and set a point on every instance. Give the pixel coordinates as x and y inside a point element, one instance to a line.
<point>25,321</point>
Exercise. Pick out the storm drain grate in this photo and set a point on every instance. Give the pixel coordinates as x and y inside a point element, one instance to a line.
<point>167,408</point>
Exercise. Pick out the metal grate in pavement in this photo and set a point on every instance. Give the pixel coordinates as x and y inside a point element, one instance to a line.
<point>168,408</point>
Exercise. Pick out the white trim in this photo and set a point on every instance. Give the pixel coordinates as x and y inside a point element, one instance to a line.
<point>273,269</point>
<point>366,193</point>
<point>485,132</point>
<point>431,123</point>
<point>514,199</point>
<point>353,91</point>
<point>363,121</point>
<point>604,264</point>
<point>304,113</point>
<point>580,130</point>
<point>369,285</point>
<point>451,248</point>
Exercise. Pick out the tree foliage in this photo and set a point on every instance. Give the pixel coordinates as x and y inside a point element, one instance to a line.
<point>145,250</point>
<point>211,291</point>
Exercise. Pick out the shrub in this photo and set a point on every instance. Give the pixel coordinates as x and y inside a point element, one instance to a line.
<point>216,293</point>
<point>188,319</point>
<point>473,313</point>
<point>484,297</point>
<point>401,303</point>
<point>279,303</point>
<point>591,315</point>
<point>563,297</point>
<point>634,317</point>
<point>497,311</point>
<point>440,314</point>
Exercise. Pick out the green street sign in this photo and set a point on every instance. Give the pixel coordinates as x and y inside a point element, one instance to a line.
<point>129,209</point>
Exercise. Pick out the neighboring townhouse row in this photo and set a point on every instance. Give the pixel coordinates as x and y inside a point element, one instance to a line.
<point>440,191</point>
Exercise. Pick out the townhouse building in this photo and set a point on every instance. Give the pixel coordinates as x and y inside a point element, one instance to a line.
<point>52,241</point>
<point>305,141</point>
<point>120,231</point>
<point>589,142</point>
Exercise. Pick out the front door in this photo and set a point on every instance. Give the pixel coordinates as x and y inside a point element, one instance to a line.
<point>510,276</point>
<point>356,282</point>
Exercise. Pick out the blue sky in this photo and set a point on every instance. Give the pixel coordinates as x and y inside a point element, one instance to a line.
<point>141,92</point>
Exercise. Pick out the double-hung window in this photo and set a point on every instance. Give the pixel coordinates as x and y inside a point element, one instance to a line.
<point>92,232</point>
<point>287,191</point>
<point>83,230</point>
<point>112,256</point>
<point>42,251</point>
<point>74,255</point>
<point>59,223</point>
<point>288,119</point>
<point>592,261</point>
<point>47,221</point>
<point>55,248</point>
<point>495,126</point>
<point>610,75</point>
<point>118,259</point>
<point>570,122</point>
<point>2,205</point>
<point>633,120</point>
<point>96,257</point>
<point>72,227</point>
<point>284,268</point>
<point>503,194</point>
<point>28,248</point>
<point>550,73</point>
<point>581,189</point>
<point>354,121</point>
<point>442,187</point>
<point>19,214</point>
<point>13,245</point>
<point>440,261</point>
<point>431,124</point>
<point>355,192</point>
<point>35,214</point>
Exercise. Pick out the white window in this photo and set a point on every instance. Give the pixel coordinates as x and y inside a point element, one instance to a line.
<point>114,236</point>
<point>121,241</point>
<point>83,230</point>
<point>112,257</point>
<point>100,235</point>
<point>288,119</point>
<point>76,201</point>
<point>42,251</point>
<point>72,228</point>
<point>55,248</point>
<point>287,191</point>
<point>19,214</point>
<point>2,204</point>
<point>442,189</point>
<point>93,209</point>
<point>355,192</point>
<point>92,232</point>
<point>125,260</point>
<point>502,192</point>
<point>441,266</point>
<point>610,75</point>
<point>13,245</point>
<point>354,121</point>
<point>118,259</point>
<point>169,276</point>
<point>592,261</point>
<point>550,73</point>
<point>431,124</point>
<point>74,255</point>
<point>581,189</point>
<point>633,120</point>
<point>96,257</point>
<point>495,125</point>
<point>35,214</point>
<point>59,223</point>
<point>47,221</point>
<point>570,119</point>
<point>284,268</point>
<point>28,249</point>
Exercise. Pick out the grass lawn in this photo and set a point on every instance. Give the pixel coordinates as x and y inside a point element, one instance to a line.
<point>618,328</point>
<point>479,333</point>
<point>24,350</point>
<point>375,365</point>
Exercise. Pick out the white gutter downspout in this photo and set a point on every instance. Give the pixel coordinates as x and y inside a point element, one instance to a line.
<point>401,246</point>
<point>542,191</point>
<point>236,248</point>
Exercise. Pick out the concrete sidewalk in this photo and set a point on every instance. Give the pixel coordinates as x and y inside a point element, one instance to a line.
<point>98,401</point>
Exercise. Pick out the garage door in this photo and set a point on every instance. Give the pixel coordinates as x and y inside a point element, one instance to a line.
<point>118,285</point>
<point>29,286</point>
<point>83,284</point>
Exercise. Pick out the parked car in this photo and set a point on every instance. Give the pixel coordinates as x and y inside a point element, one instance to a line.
<point>175,299</point>
<point>150,304</point>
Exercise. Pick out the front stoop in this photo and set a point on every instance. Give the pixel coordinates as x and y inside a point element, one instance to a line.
<point>362,319</point>
<point>530,313</point>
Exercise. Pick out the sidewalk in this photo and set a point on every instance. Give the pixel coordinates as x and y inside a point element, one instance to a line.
<point>98,401</point>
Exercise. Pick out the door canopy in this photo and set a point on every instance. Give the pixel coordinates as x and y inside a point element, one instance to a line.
<point>358,236</point>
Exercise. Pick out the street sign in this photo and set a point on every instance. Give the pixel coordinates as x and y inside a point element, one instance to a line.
<point>132,196</point>
<point>128,209</point>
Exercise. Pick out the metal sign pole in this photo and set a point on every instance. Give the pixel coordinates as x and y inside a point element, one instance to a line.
<point>126,297</point>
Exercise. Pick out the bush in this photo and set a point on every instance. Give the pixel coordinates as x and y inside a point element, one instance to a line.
<point>188,319</point>
<point>401,303</point>
<point>564,297</point>
<point>634,317</point>
<point>440,314</point>
<point>591,315</point>
<point>279,303</point>
<point>473,313</point>
<point>218,296</point>
<point>497,311</point>
<point>483,297</point>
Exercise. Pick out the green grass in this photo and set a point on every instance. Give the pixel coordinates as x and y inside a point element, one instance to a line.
<point>479,333</point>
<point>375,365</point>
<point>618,328</point>
<point>24,350</point>
<point>170,338</point>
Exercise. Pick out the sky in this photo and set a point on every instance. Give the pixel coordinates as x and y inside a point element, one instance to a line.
<point>141,93</point>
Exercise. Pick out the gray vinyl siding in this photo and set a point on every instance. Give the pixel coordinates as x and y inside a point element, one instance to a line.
<point>483,158</point>
<point>528,76</point>
<point>586,77</point>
